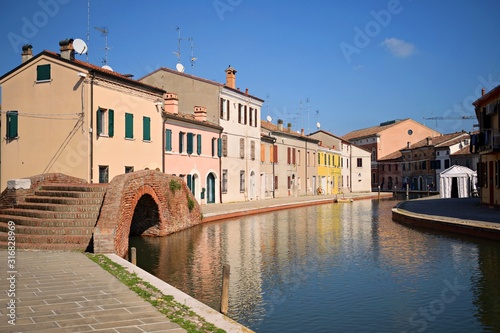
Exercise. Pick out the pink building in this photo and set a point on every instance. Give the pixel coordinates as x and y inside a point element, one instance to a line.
<point>192,149</point>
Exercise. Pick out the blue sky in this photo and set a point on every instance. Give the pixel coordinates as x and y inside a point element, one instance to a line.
<point>351,64</point>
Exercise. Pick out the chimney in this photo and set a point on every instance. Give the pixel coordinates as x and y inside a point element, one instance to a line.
<point>429,141</point>
<point>171,103</point>
<point>483,91</point>
<point>231,77</point>
<point>408,144</point>
<point>200,113</point>
<point>289,126</point>
<point>302,131</point>
<point>27,53</point>
<point>246,91</point>
<point>67,51</point>
<point>280,124</point>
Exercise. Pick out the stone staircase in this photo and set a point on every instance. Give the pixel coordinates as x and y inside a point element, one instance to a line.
<point>56,217</point>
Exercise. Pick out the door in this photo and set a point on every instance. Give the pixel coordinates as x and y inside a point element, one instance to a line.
<point>210,188</point>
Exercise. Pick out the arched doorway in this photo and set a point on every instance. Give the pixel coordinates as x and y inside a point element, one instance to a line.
<point>146,219</point>
<point>211,188</point>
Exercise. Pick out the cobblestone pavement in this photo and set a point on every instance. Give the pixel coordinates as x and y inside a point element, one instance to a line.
<point>67,292</point>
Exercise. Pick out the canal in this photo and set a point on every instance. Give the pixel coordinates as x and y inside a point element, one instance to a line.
<point>334,268</point>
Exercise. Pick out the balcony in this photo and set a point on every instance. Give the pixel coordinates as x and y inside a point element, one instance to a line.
<point>486,141</point>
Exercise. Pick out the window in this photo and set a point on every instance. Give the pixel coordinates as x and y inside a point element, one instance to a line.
<point>293,156</point>
<point>319,158</point>
<point>252,150</point>
<point>219,147</point>
<point>129,169</point>
<point>181,142</point>
<point>190,183</point>
<point>446,163</point>
<point>262,152</point>
<point>240,113</point>
<point>308,158</point>
<point>224,145</point>
<point>360,163</point>
<point>129,126</point>
<point>250,118</point>
<point>424,165</point>
<point>242,147</point>
<point>103,173</point>
<point>275,154</point>
<point>198,144</point>
<point>105,122</point>
<point>288,155</point>
<point>224,181</point>
<point>214,147</point>
<point>43,73</point>
<point>242,181</point>
<point>190,143</point>
<point>146,129</point>
<point>168,140</point>
<point>314,159</point>
<point>298,157</point>
<point>12,125</point>
<point>245,116</point>
<point>224,109</point>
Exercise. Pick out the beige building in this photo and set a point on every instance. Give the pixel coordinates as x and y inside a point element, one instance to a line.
<point>64,115</point>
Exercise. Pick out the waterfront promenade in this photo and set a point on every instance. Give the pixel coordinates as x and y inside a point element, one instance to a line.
<point>67,292</point>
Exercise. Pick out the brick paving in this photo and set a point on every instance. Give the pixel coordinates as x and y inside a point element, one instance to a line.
<point>67,292</point>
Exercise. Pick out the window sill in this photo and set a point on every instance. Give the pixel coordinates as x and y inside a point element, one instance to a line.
<point>130,139</point>
<point>147,141</point>
<point>43,81</point>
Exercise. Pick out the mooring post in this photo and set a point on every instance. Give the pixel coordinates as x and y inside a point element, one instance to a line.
<point>133,256</point>
<point>225,289</point>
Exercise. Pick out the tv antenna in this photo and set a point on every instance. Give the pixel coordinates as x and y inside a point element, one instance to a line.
<point>104,32</point>
<point>179,65</point>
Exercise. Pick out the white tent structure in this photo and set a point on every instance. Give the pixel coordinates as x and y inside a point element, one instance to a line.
<point>457,182</point>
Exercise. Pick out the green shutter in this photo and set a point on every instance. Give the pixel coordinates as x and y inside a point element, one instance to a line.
<point>198,144</point>
<point>129,126</point>
<point>219,147</point>
<point>190,143</point>
<point>146,128</point>
<point>181,142</point>
<point>189,181</point>
<point>99,121</point>
<point>168,140</point>
<point>43,72</point>
<point>12,124</point>
<point>111,123</point>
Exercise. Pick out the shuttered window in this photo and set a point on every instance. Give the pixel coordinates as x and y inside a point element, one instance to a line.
<point>252,150</point>
<point>275,154</point>
<point>181,142</point>
<point>190,143</point>
<point>219,147</point>
<point>293,155</point>
<point>262,153</point>
<point>242,147</point>
<point>111,123</point>
<point>168,140</point>
<point>189,181</point>
<point>198,144</point>
<point>146,128</point>
<point>43,72</point>
<point>129,126</point>
<point>224,145</point>
<point>288,155</point>
<point>12,124</point>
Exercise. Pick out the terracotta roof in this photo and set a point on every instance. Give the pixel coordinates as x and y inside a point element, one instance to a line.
<point>192,119</point>
<point>371,130</point>
<point>330,134</point>
<point>464,151</point>
<point>266,125</point>
<point>490,94</point>
<point>392,156</point>
<point>444,140</point>
<point>199,79</point>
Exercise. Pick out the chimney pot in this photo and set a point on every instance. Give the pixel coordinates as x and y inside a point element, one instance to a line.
<point>302,131</point>
<point>27,53</point>
<point>483,91</point>
<point>408,144</point>
<point>246,91</point>
<point>67,51</point>
<point>171,103</point>
<point>231,77</point>
<point>200,113</point>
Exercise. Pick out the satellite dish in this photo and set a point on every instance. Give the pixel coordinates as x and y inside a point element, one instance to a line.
<point>318,125</point>
<point>269,119</point>
<point>80,46</point>
<point>179,67</point>
<point>107,67</point>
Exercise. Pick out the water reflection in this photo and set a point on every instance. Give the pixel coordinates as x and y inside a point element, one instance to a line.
<point>333,268</point>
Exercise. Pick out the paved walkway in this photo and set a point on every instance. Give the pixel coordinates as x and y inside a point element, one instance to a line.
<point>67,292</point>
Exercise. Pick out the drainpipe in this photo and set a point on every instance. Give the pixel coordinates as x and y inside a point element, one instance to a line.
<point>91,131</point>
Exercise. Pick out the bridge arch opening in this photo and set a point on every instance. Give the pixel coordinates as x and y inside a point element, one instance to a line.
<point>146,218</point>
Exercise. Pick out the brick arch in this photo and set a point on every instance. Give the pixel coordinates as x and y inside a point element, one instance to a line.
<point>124,192</point>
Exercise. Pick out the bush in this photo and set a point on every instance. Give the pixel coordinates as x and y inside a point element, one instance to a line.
<point>174,185</point>
<point>190,203</point>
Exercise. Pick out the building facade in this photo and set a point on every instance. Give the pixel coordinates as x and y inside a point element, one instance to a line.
<point>65,115</point>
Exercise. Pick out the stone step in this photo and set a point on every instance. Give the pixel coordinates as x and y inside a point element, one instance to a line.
<point>82,240</point>
<point>41,230</point>
<point>64,201</point>
<point>58,207</point>
<point>37,222</point>
<point>69,194</point>
<point>51,247</point>
<point>76,188</point>
<point>43,214</point>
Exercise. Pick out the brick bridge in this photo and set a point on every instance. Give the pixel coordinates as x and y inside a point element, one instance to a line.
<point>55,211</point>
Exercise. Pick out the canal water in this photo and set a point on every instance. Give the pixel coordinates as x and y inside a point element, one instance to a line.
<point>343,267</point>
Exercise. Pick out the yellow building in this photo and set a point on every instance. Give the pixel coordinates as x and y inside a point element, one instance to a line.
<point>329,171</point>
